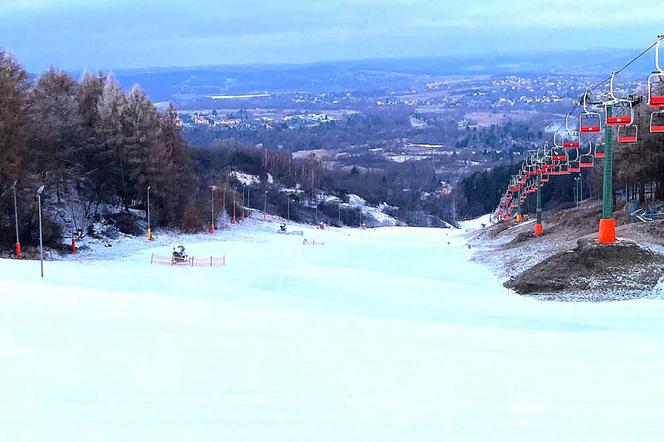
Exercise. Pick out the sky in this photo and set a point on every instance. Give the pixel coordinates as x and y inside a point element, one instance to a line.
<point>117,34</point>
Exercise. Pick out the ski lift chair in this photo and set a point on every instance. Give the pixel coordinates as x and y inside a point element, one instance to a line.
<point>628,134</point>
<point>587,158</point>
<point>589,121</point>
<point>656,82</point>
<point>574,162</point>
<point>622,113</point>
<point>657,122</point>
<point>656,90</point>
<point>622,110</point>
<point>571,137</point>
<point>599,151</point>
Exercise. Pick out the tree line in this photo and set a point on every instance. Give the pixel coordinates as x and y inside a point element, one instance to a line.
<point>638,175</point>
<point>92,145</point>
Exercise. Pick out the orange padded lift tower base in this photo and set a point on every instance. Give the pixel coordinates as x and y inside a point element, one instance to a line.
<point>539,229</point>
<point>607,231</point>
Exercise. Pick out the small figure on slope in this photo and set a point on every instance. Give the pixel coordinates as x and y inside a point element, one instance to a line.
<point>179,255</point>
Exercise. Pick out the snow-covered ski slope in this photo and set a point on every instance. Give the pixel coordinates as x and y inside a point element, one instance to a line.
<point>380,335</point>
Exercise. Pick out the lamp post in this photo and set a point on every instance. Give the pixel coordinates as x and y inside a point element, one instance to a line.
<point>243,189</point>
<point>223,201</point>
<point>339,207</point>
<point>580,187</point>
<point>18,242</point>
<point>288,207</point>
<point>234,220</point>
<point>148,213</point>
<point>41,242</point>
<point>576,191</point>
<point>316,203</point>
<point>265,207</point>
<point>213,189</point>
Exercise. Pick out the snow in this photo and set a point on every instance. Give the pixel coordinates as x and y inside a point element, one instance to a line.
<point>373,216</point>
<point>356,201</point>
<point>245,178</point>
<point>381,335</point>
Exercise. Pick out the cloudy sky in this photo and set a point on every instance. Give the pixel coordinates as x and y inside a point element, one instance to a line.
<point>138,33</point>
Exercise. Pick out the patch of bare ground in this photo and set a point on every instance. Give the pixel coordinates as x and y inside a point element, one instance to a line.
<point>515,253</point>
<point>593,271</point>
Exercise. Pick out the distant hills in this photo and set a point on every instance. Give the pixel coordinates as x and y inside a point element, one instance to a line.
<point>369,75</point>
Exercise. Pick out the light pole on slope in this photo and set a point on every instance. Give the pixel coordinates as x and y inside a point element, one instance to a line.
<point>41,242</point>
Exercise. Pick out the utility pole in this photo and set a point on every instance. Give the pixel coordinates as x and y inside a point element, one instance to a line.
<point>607,225</point>
<point>288,207</point>
<point>265,207</point>
<point>243,206</point>
<point>234,220</point>
<point>212,224</point>
<point>339,207</point>
<point>18,242</point>
<point>576,191</point>
<point>148,210</point>
<point>223,201</point>
<point>41,241</point>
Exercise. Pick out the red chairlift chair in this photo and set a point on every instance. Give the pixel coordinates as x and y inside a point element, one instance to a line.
<point>622,110</point>
<point>657,122</point>
<point>574,162</point>
<point>599,151</point>
<point>656,82</point>
<point>571,139</point>
<point>628,134</point>
<point>587,158</point>
<point>589,122</point>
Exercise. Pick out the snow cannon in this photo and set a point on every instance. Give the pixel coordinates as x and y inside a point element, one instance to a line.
<point>179,254</point>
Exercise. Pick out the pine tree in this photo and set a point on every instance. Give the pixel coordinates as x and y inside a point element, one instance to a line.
<point>57,140</point>
<point>175,174</point>
<point>15,127</point>
<point>111,158</point>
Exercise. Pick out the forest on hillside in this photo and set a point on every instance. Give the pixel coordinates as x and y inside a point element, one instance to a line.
<point>97,148</point>
<point>638,175</point>
<point>91,145</point>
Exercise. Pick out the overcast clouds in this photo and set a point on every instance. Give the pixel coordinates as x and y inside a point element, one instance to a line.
<point>123,33</point>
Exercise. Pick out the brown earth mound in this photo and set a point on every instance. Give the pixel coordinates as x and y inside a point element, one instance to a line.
<point>593,270</point>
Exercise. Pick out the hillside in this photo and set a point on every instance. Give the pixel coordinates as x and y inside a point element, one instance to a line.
<point>288,339</point>
<point>566,263</point>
